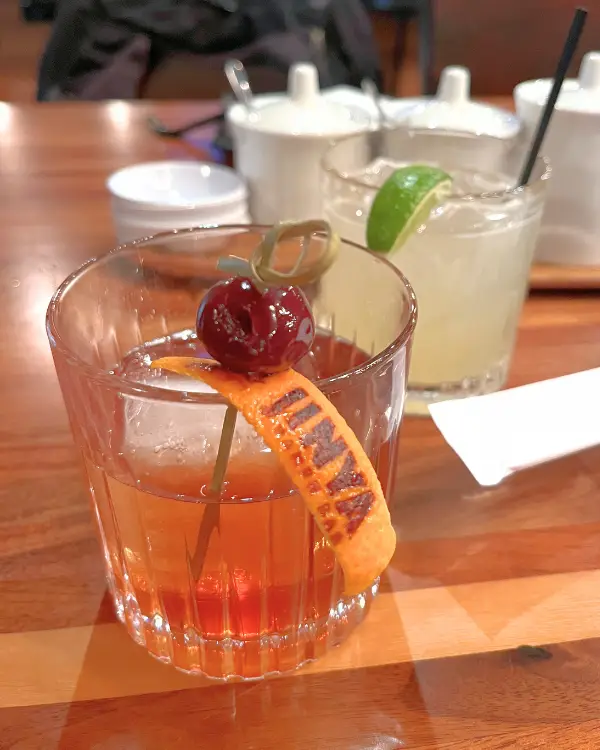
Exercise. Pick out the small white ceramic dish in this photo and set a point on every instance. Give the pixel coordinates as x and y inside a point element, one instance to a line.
<point>160,196</point>
<point>173,185</point>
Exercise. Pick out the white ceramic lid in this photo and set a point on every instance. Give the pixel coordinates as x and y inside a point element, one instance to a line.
<point>576,95</point>
<point>304,111</point>
<point>452,109</point>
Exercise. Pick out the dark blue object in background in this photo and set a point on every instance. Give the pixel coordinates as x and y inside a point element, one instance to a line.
<point>383,4</point>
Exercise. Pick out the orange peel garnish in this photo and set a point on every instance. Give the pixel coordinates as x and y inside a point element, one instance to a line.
<point>320,454</point>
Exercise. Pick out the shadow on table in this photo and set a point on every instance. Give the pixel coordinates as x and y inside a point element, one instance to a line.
<point>377,707</point>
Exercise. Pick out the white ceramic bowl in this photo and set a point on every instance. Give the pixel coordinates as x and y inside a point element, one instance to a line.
<point>158,196</point>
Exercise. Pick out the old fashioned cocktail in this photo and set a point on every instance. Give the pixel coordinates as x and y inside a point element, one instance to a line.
<point>245,584</point>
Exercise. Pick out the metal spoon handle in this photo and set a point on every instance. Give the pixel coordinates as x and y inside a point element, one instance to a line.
<point>238,80</point>
<point>376,139</point>
<point>369,88</point>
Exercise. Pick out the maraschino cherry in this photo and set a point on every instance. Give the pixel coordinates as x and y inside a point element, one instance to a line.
<point>254,331</point>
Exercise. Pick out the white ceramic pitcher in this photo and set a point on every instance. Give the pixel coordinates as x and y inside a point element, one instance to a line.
<point>277,148</point>
<point>571,226</point>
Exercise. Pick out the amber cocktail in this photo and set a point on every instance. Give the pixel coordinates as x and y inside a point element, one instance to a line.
<point>245,585</point>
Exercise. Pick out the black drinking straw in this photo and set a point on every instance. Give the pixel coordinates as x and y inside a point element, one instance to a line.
<point>563,64</point>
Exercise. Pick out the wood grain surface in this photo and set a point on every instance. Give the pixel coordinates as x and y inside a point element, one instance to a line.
<point>562,276</point>
<point>509,42</point>
<point>486,634</point>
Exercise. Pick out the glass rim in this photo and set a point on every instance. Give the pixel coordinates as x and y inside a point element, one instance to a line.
<point>356,182</point>
<point>158,393</point>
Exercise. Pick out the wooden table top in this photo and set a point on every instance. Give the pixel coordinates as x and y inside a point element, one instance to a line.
<point>485,634</point>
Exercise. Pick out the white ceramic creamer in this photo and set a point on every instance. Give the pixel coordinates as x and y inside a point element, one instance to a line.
<point>571,226</point>
<point>278,147</point>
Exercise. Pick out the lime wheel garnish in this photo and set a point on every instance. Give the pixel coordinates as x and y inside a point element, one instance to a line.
<point>403,204</point>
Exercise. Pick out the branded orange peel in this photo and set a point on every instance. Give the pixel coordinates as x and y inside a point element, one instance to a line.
<point>320,454</point>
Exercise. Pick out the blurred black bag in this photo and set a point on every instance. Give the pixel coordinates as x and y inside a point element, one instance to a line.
<point>108,49</point>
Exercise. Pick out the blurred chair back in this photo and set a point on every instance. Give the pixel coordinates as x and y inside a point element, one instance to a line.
<point>183,76</point>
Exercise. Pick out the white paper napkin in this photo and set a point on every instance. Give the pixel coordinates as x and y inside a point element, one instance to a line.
<point>501,433</point>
